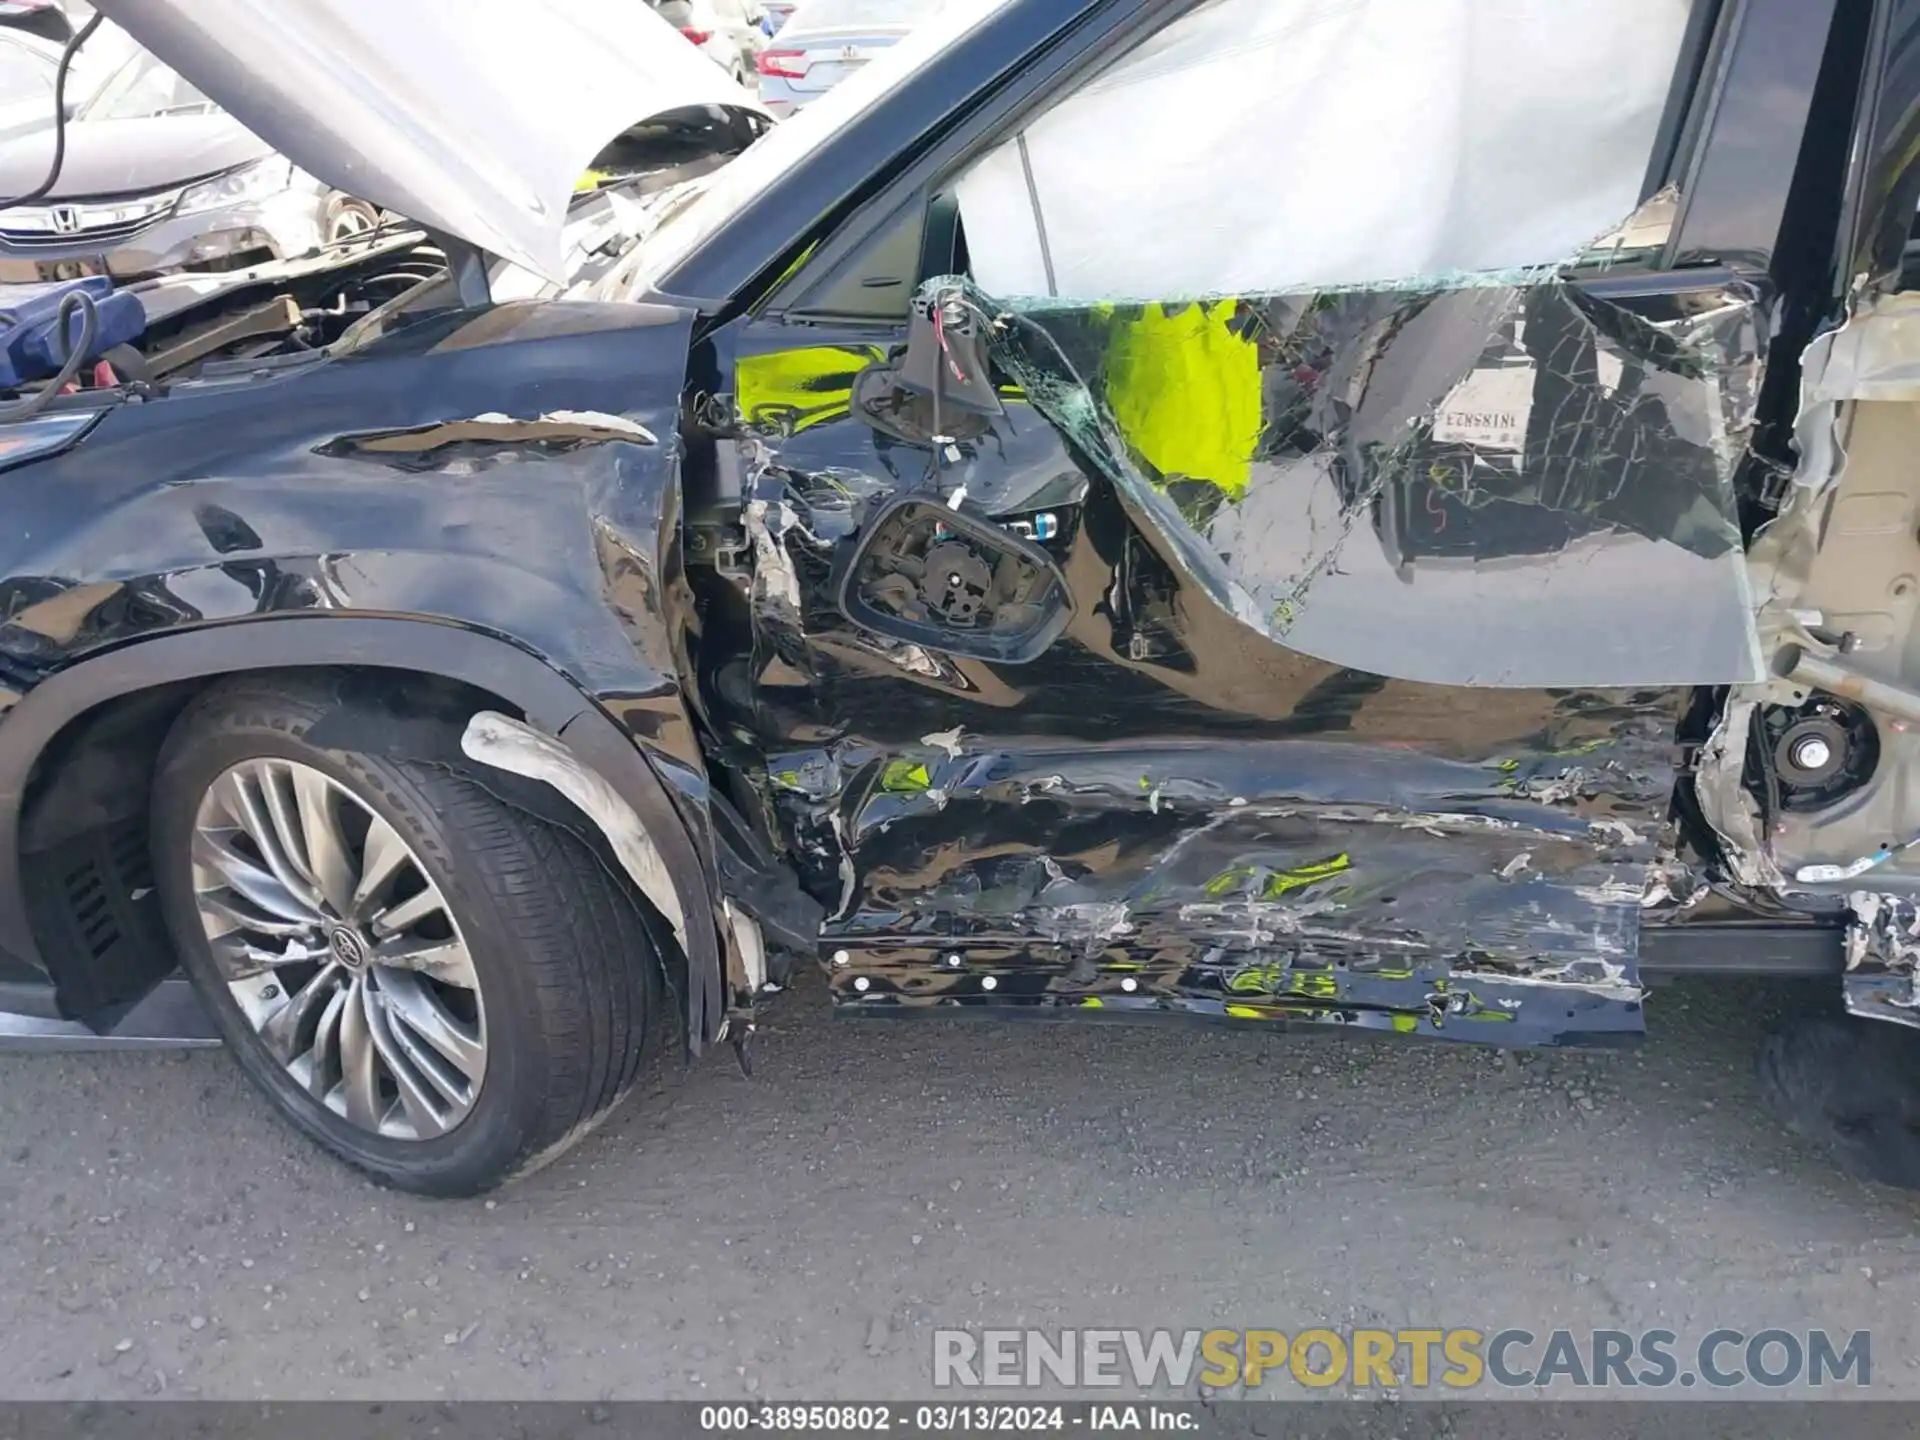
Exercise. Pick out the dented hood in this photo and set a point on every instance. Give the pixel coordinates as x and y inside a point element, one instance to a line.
<point>473,117</point>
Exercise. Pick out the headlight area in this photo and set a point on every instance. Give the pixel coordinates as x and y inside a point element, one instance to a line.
<point>257,180</point>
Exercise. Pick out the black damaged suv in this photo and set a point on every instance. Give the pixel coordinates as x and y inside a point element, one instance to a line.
<point>1122,510</point>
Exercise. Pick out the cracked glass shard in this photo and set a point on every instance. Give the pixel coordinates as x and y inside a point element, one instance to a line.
<point>1503,481</point>
<point>1351,368</point>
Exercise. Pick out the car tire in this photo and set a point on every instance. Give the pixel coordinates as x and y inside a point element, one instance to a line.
<point>564,979</point>
<point>1851,1087</point>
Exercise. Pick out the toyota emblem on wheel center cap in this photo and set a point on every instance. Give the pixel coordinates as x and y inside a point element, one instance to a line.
<point>348,948</point>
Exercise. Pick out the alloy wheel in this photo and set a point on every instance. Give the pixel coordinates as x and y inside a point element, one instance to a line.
<point>350,223</point>
<point>339,949</point>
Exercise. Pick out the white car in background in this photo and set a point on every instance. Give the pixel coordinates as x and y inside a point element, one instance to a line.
<point>27,66</point>
<point>29,62</point>
<point>824,41</point>
<point>155,177</point>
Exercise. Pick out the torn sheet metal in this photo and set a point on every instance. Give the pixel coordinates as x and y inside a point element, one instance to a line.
<point>1365,711</point>
<point>747,949</point>
<point>556,425</point>
<point>1883,957</point>
<point>1836,574</point>
<point>1301,880</point>
<point>486,440</point>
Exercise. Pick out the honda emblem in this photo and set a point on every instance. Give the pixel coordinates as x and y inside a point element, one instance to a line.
<point>66,219</point>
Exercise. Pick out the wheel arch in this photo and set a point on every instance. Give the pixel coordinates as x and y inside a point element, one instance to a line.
<point>549,701</point>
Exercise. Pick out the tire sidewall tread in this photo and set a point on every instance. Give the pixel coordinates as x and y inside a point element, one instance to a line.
<point>568,976</point>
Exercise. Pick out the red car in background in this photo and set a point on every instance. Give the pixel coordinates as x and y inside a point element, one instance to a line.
<point>729,32</point>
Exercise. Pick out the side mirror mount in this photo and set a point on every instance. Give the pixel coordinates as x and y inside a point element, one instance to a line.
<point>946,356</point>
<point>951,581</point>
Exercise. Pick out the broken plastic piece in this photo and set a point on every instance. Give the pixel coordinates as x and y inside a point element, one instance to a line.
<point>941,578</point>
<point>501,741</point>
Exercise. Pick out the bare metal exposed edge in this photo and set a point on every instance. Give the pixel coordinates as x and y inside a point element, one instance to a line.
<point>169,1018</point>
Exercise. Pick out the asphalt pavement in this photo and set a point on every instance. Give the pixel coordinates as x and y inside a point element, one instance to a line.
<point>800,1234</point>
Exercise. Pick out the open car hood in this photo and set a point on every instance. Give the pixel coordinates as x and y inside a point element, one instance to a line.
<point>472,117</point>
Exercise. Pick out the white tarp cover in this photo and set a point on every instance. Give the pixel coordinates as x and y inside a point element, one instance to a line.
<point>1264,146</point>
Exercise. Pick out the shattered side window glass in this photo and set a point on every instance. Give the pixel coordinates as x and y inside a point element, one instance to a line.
<point>1324,336</point>
<point>1513,485</point>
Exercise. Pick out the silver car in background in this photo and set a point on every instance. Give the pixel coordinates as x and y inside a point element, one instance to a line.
<point>27,66</point>
<point>157,177</point>
<point>824,41</point>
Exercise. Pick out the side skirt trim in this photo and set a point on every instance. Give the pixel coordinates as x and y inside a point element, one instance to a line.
<point>1773,951</point>
<point>168,1017</point>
